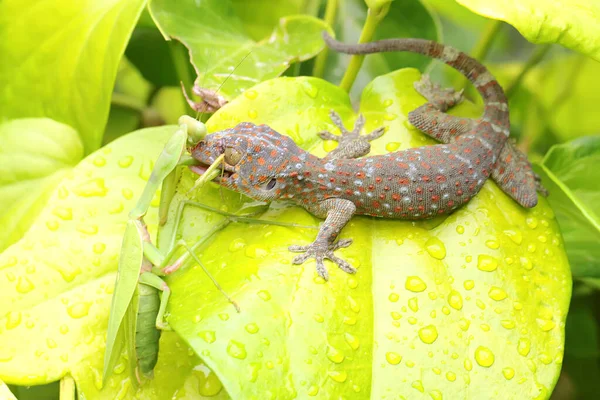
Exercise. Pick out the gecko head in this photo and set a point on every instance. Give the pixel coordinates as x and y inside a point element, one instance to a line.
<point>255,160</point>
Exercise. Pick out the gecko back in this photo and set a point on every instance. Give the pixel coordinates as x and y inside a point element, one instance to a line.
<point>511,171</point>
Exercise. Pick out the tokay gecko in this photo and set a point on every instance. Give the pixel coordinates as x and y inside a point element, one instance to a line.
<point>411,184</point>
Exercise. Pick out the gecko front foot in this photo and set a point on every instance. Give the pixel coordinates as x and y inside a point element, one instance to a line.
<point>441,98</point>
<point>351,143</point>
<point>320,252</point>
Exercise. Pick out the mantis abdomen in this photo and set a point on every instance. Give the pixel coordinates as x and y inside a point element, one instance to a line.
<point>146,333</point>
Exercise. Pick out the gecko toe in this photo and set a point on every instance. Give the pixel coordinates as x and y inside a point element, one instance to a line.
<point>342,264</point>
<point>321,270</point>
<point>297,248</point>
<point>301,258</point>
<point>340,244</point>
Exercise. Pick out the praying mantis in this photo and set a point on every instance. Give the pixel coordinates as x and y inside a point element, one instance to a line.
<point>140,296</point>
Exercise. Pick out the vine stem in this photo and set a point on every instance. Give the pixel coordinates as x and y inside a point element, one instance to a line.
<point>319,67</point>
<point>374,16</point>
<point>535,58</point>
<point>483,46</point>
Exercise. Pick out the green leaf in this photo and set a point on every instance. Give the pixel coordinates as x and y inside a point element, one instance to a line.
<point>65,67</point>
<point>472,305</point>
<point>573,24</point>
<point>570,173</point>
<point>5,392</point>
<point>220,47</point>
<point>57,281</point>
<point>35,154</point>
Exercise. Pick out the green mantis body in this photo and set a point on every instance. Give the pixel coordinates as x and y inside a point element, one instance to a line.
<point>140,295</point>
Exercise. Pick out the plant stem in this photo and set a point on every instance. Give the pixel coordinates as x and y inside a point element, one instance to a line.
<point>181,63</point>
<point>319,67</point>
<point>483,46</point>
<point>67,388</point>
<point>535,58</point>
<point>374,16</point>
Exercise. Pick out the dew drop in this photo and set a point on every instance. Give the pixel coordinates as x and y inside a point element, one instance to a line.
<point>99,248</point>
<point>464,324</point>
<point>354,306</point>
<point>508,373</point>
<point>460,229</point>
<point>313,390</point>
<point>392,146</point>
<point>13,319</point>
<point>24,285</point>
<point>388,102</point>
<point>508,324</point>
<point>349,320</point>
<point>485,327</point>
<point>484,356</point>
<point>389,116</point>
<point>50,343</point>
<point>492,244</point>
<point>319,318</point>
<point>451,376</point>
<point>64,213</point>
<point>526,263</point>
<point>393,297</point>
<point>455,300</point>
<point>515,236</point>
<point>64,329</point>
<point>412,320</point>
<point>415,284</point>
<point>237,244</point>
<point>265,295</point>
<point>468,364</point>
<point>335,355</point>
<point>531,222</point>
<point>487,263</point>
<point>480,304</point>
<point>396,315</point>
<point>338,376</point>
<point>413,304</point>
<point>91,188</point>
<point>352,341</point>
<point>435,247</point>
<point>469,284</point>
<point>393,358</point>
<point>88,229</point>
<point>127,193</point>
<point>125,161</point>
<point>352,283</point>
<point>79,310</point>
<point>436,395</point>
<point>252,113</point>
<point>208,382</point>
<point>236,350</point>
<point>224,316</point>
<point>545,325</point>
<point>418,385</point>
<point>497,294</point>
<point>252,328</point>
<point>428,334</point>
<point>99,161</point>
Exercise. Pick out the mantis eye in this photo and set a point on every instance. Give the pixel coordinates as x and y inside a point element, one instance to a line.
<point>232,156</point>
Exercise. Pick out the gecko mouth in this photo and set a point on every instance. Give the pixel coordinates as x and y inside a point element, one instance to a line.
<point>218,174</point>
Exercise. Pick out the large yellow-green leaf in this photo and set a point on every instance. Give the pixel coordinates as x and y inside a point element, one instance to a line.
<point>5,392</point>
<point>56,283</point>
<point>59,60</point>
<point>573,24</point>
<point>570,173</point>
<point>35,154</point>
<point>224,55</point>
<point>471,305</point>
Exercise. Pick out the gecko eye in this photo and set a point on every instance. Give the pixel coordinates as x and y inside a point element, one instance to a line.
<point>271,184</point>
<point>232,156</point>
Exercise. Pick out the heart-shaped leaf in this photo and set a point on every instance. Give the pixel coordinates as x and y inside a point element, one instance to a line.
<point>75,87</point>
<point>225,57</point>
<point>573,24</point>
<point>464,306</point>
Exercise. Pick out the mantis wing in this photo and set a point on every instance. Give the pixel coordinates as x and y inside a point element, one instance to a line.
<point>130,263</point>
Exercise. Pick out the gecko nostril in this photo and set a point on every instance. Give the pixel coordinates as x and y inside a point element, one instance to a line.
<point>271,184</point>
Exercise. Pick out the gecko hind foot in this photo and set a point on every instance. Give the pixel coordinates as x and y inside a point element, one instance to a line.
<point>351,143</point>
<point>441,98</point>
<point>320,253</point>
